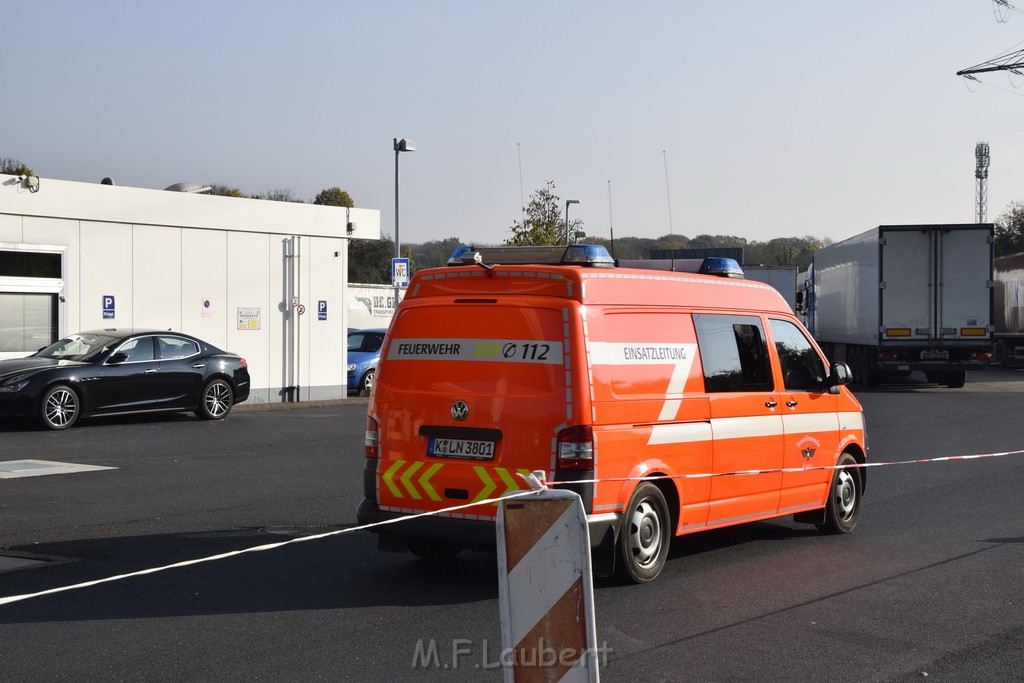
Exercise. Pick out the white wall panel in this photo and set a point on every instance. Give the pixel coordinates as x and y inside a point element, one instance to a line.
<point>10,228</point>
<point>324,374</point>
<point>156,277</point>
<point>248,287</point>
<point>204,277</point>
<point>105,262</point>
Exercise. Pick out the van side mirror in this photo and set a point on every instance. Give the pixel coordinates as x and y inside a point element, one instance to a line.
<point>117,358</point>
<point>839,374</point>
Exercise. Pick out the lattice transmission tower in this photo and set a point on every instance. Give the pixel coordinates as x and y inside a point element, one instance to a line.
<point>981,181</point>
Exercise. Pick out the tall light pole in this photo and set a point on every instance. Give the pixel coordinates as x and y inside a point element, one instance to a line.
<point>402,145</point>
<point>567,203</point>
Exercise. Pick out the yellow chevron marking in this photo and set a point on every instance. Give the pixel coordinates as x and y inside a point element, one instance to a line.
<point>510,483</point>
<point>408,484</point>
<point>489,484</point>
<point>486,350</point>
<point>425,481</point>
<point>390,475</point>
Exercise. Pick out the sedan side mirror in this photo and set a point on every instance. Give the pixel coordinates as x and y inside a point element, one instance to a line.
<point>117,358</point>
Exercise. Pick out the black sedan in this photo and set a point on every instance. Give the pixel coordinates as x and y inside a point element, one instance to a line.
<point>103,372</point>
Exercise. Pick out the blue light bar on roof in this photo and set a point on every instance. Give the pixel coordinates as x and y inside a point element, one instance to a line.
<point>592,255</point>
<point>726,267</point>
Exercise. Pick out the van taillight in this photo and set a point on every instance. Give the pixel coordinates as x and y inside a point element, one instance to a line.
<point>370,440</point>
<point>576,448</point>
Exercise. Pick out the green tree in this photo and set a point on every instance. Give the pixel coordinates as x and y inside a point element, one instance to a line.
<point>369,261</point>
<point>279,195</point>
<point>225,191</point>
<point>544,223</point>
<point>11,166</point>
<point>434,253</point>
<point>1010,230</point>
<point>333,196</point>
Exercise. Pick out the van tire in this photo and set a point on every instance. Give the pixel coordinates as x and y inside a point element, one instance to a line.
<point>842,509</point>
<point>645,535</point>
<point>433,550</point>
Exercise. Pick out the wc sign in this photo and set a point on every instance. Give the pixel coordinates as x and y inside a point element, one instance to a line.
<point>108,307</point>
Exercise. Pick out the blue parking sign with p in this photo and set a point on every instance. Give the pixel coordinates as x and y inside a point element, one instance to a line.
<point>321,309</point>
<point>108,306</point>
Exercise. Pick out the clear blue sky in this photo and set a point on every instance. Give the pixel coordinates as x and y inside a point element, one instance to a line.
<point>783,118</point>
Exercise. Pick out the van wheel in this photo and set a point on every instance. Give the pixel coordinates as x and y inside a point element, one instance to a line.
<point>843,507</point>
<point>645,535</point>
<point>434,550</point>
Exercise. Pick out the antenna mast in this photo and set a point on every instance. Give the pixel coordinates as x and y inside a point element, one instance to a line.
<point>981,178</point>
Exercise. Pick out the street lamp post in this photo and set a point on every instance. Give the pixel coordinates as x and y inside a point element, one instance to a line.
<point>402,145</point>
<point>567,203</point>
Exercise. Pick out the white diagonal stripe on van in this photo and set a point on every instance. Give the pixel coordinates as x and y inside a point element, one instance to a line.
<point>746,427</point>
<point>687,432</point>
<point>645,353</point>
<point>851,420</point>
<point>743,427</point>
<point>810,422</point>
<point>680,356</point>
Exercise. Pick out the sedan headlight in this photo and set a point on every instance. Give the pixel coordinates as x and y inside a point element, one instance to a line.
<point>13,387</point>
<point>351,367</point>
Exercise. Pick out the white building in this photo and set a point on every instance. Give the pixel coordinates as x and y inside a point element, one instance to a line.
<point>264,279</point>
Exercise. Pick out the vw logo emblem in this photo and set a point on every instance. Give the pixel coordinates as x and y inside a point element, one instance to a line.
<point>460,411</point>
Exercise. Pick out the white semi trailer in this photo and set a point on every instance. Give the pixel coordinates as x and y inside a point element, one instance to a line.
<point>904,298</point>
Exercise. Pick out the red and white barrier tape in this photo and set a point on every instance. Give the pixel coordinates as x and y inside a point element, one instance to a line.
<point>271,546</point>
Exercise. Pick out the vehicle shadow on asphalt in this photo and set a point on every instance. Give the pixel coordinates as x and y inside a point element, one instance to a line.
<point>343,571</point>
<point>339,572</point>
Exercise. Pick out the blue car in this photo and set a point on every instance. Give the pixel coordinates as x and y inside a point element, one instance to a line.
<point>363,355</point>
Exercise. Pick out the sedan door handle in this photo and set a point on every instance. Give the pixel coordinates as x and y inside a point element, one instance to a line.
<point>199,365</point>
<point>150,371</point>
<point>770,404</point>
<point>792,404</point>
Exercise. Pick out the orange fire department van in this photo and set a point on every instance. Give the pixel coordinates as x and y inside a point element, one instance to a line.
<point>514,359</point>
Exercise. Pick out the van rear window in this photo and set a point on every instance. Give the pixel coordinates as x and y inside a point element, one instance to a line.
<point>733,352</point>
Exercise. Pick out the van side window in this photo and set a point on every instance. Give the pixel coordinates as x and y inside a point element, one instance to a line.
<point>802,369</point>
<point>733,352</point>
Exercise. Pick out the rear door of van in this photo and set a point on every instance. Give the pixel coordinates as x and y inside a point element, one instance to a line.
<point>469,394</point>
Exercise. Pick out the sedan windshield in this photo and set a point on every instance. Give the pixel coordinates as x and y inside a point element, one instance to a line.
<point>77,347</point>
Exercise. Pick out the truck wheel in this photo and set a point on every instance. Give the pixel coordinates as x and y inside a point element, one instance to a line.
<point>955,379</point>
<point>645,535</point>
<point>843,506</point>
